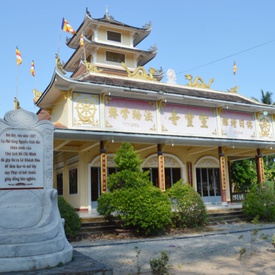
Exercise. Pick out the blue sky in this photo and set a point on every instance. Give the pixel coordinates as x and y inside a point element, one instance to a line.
<point>198,37</point>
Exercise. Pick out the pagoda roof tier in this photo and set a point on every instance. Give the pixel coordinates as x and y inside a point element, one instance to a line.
<point>152,90</point>
<point>108,21</point>
<point>143,56</point>
<point>82,70</point>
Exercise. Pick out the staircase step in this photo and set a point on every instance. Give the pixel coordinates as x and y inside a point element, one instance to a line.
<point>99,225</point>
<point>225,216</point>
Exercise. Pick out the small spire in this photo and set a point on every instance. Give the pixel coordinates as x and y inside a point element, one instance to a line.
<point>106,12</point>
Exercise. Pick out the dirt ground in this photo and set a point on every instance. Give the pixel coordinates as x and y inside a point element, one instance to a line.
<point>217,254</point>
<point>262,263</point>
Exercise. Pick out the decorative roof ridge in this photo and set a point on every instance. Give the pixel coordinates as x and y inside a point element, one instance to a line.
<point>110,19</point>
<point>179,86</point>
<point>153,49</point>
<point>160,83</point>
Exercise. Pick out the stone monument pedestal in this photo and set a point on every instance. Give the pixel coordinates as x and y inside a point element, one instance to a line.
<point>32,233</point>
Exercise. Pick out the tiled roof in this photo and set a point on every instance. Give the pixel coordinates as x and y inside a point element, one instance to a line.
<point>169,89</point>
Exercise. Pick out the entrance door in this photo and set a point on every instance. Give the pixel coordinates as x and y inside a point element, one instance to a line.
<point>208,184</point>
<point>95,186</point>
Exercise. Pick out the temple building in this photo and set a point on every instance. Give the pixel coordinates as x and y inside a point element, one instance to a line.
<point>103,96</point>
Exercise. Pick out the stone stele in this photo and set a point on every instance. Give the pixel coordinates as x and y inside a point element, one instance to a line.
<point>32,233</point>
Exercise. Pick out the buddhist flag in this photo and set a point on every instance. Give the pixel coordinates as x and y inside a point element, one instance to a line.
<point>81,41</point>
<point>234,68</point>
<point>18,56</point>
<point>67,27</point>
<point>32,69</point>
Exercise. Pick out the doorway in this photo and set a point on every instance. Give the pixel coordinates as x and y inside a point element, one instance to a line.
<point>208,184</point>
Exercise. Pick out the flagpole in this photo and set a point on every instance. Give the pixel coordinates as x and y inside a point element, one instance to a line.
<point>59,41</point>
<point>84,52</point>
<point>235,73</point>
<point>35,82</point>
<point>16,91</point>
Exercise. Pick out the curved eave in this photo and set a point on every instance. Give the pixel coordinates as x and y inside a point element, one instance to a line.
<point>52,92</point>
<point>88,22</point>
<point>73,62</point>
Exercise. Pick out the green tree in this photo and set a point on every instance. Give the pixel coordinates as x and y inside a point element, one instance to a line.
<point>129,173</point>
<point>260,203</point>
<point>266,98</point>
<point>132,197</point>
<point>243,174</point>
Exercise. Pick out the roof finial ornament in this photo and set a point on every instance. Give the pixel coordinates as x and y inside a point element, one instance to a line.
<point>107,12</point>
<point>198,82</point>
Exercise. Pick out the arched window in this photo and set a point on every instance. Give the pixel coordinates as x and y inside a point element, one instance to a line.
<point>174,169</point>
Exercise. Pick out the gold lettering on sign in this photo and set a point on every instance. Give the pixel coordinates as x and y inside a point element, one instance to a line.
<point>222,171</point>
<point>148,116</point>
<point>189,173</point>
<point>103,172</point>
<point>113,112</point>
<point>125,113</point>
<point>241,123</point>
<point>189,117</point>
<point>225,122</point>
<point>203,118</point>
<point>161,173</point>
<point>174,117</point>
<point>249,124</point>
<point>136,114</point>
<point>234,123</point>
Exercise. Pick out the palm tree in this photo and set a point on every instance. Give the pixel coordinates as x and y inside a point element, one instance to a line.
<point>266,98</point>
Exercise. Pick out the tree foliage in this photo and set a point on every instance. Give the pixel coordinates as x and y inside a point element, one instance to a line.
<point>260,203</point>
<point>266,98</point>
<point>188,207</point>
<point>133,198</point>
<point>243,174</point>
<point>129,173</point>
<point>72,220</point>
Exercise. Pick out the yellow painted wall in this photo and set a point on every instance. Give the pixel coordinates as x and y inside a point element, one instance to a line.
<point>60,111</point>
<point>125,36</point>
<point>81,200</point>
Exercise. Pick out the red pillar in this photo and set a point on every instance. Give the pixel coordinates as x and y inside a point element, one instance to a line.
<point>222,174</point>
<point>161,168</point>
<point>103,167</point>
<point>260,166</point>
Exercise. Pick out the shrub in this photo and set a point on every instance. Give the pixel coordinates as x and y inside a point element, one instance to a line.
<point>145,209</point>
<point>188,207</point>
<point>260,203</point>
<point>72,220</point>
<point>132,197</point>
<point>129,173</point>
<point>159,265</point>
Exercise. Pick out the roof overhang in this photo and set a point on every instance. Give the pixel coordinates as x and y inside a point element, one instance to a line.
<point>86,135</point>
